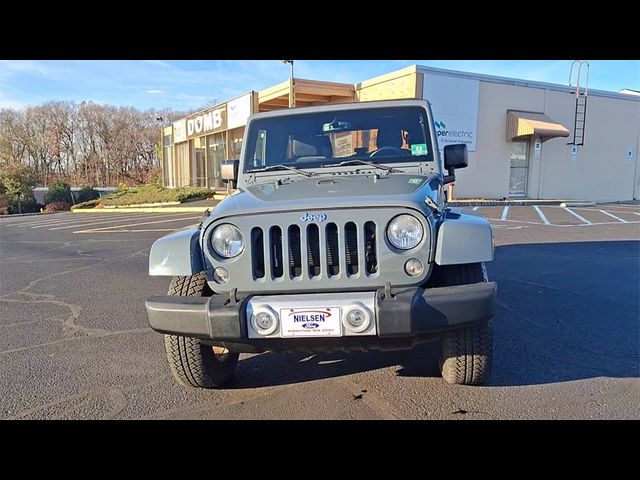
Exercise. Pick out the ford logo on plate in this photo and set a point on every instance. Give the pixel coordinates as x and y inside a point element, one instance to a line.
<point>310,325</point>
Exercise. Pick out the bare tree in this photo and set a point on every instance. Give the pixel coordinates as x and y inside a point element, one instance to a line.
<point>84,143</point>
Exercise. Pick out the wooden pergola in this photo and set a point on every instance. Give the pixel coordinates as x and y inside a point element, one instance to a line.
<point>304,93</point>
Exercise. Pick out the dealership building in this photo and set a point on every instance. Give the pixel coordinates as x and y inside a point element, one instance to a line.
<point>525,139</point>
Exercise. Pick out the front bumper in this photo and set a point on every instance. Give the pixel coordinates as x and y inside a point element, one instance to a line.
<point>409,315</point>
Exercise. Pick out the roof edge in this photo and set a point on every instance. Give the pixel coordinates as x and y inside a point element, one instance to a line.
<point>520,82</point>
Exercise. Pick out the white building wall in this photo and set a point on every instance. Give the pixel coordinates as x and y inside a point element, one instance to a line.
<point>600,171</point>
<point>487,175</point>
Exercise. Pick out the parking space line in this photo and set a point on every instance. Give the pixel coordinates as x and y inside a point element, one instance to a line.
<point>542,217</point>
<point>109,229</point>
<point>66,221</point>
<point>513,221</point>
<point>613,216</point>
<point>102,222</point>
<point>475,208</point>
<point>54,217</point>
<point>125,230</point>
<point>505,212</point>
<point>577,216</point>
<point>13,220</point>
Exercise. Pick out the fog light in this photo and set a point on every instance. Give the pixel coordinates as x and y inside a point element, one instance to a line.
<point>413,267</point>
<point>356,318</point>
<point>264,321</point>
<point>221,275</point>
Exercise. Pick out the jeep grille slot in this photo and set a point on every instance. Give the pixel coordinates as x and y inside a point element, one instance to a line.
<point>333,257</point>
<point>313,250</point>
<point>277,268</point>
<point>370,248</point>
<point>295,253</point>
<point>351,247</point>
<point>257,252</point>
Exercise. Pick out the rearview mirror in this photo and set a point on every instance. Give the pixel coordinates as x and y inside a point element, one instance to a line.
<point>229,170</point>
<point>455,156</point>
<point>336,126</point>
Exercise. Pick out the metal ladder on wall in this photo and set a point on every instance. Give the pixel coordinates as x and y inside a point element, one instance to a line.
<point>580,118</point>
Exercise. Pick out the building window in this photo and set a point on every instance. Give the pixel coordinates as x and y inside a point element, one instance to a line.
<point>237,147</point>
<point>216,152</point>
<point>198,163</point>
<point>181,174</point>
<point>519,168</point>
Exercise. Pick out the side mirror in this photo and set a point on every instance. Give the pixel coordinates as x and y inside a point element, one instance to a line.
<point>229,170</point>
<point>455,156</point>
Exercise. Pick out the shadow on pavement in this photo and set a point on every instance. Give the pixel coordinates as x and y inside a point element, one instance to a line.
<point>566,311</point>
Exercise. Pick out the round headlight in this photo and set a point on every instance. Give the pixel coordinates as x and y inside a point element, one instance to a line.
<point>404,232</point>
<point>227,240</point>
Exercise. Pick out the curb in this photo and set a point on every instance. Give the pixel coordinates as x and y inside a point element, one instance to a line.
<point>13,215</point>
<point>144,210</point>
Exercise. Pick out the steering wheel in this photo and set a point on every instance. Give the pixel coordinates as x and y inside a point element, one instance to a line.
<point>392,151</point>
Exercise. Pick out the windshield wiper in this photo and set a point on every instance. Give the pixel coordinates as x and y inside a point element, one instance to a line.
<point>364,162</point>
<point>282,167</point>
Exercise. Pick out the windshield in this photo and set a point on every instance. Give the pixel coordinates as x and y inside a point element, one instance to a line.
<point>313,140</point>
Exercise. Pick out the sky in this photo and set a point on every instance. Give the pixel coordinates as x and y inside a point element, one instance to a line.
<point>189,84</point>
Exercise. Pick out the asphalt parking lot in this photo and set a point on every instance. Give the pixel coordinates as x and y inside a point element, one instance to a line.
<point>74,340</point>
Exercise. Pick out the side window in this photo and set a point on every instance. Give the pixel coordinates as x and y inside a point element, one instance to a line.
<point>260,153</point>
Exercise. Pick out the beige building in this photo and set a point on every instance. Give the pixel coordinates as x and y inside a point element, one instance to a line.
<point>526,139</point>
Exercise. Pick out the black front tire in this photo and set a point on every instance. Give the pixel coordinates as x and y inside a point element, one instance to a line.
<point>466,353</point>
<point>193,363</point>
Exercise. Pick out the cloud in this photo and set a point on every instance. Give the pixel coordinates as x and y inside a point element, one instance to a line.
<point>23,66</point>
<point>158,63</point>
<point>155,91</point>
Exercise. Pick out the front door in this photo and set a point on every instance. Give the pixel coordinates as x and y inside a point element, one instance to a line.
<point>519,168</point>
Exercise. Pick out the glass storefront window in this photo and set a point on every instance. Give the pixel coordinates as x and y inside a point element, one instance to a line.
<point>216,152</point>
<point>198,162</point>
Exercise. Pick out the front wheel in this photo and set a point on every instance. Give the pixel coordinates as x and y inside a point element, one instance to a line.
<point>197,365</point>
<point>193,363</point>
<point>466,353</point>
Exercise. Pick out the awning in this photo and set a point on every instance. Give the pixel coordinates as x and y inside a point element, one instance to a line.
<point>525,124</point>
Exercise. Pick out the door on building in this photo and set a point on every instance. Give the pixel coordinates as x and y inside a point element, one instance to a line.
<point>519,168</point>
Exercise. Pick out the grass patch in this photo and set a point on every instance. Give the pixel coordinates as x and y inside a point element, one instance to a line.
<point>147,194</point>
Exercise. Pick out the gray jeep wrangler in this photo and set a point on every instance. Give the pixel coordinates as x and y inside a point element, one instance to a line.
<point>337,238</point>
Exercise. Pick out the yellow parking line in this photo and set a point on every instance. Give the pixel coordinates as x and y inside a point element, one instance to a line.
<point>109,229</point>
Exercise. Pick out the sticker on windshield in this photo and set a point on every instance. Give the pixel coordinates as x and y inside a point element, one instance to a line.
<point>415,181</point>
<point>419,149</point>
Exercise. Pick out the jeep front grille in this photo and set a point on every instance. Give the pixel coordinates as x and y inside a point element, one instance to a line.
<point>314,250</point>
<point>285,252</point>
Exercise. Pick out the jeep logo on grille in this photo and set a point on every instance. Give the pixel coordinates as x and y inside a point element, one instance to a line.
<point>313,217</point>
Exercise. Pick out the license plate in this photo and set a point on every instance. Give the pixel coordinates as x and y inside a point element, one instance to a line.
<point>311,322</point>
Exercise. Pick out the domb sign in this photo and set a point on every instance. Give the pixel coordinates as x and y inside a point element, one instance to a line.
<point>206,122</point>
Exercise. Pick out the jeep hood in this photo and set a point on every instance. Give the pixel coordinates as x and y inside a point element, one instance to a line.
<point>325,192</point>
